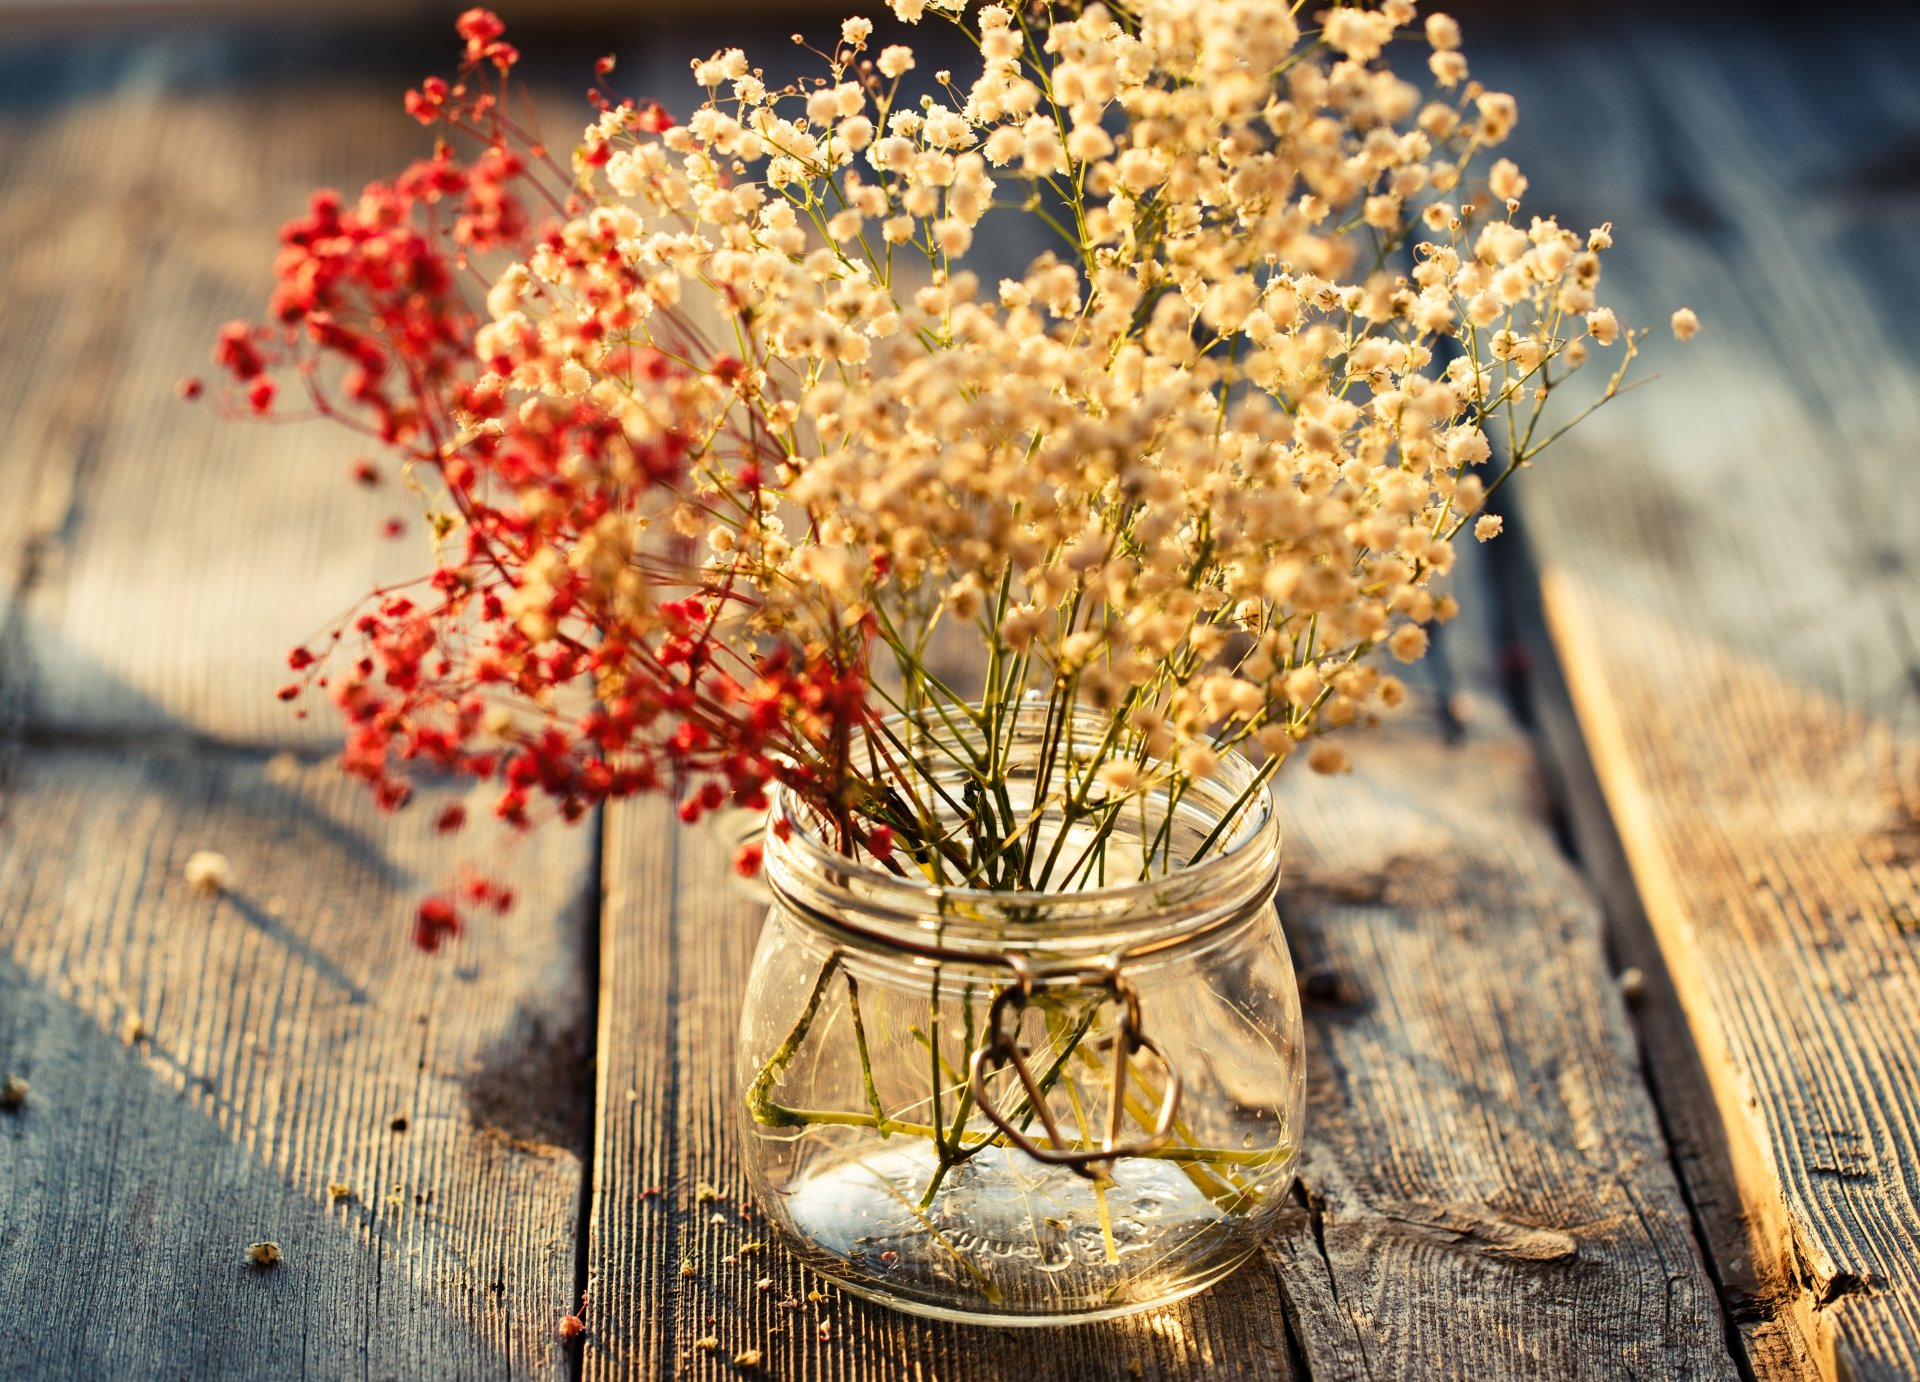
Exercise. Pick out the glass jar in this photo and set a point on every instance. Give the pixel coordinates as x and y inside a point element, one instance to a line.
<point>1027,1107</point>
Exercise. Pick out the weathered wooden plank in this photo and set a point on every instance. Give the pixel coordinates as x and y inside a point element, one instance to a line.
<point>174,556</point>
<point>1727,565</point>
<point>1486,1191</point>
<point>203,1068</point>
<point>1758,1299</point>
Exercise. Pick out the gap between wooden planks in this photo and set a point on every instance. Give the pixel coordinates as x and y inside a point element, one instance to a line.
<point>1727,564</point>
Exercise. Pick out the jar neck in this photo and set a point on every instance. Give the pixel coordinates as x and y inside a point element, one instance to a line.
<point>861,905</point>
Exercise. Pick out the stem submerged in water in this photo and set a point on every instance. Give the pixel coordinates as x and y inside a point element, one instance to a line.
<point>1231,1194</point>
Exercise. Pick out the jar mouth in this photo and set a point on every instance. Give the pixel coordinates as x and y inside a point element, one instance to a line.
<point>860,900</point>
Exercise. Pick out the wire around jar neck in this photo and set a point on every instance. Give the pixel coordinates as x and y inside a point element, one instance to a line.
<point>866,906</point>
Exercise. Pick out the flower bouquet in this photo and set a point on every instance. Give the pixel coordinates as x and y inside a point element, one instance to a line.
<point>999,603</point>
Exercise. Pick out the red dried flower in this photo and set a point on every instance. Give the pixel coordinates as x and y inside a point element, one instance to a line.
<point>375,312</point>
<point>435,923</point>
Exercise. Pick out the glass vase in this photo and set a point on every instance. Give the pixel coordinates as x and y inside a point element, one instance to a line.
<point>1031,1107</point>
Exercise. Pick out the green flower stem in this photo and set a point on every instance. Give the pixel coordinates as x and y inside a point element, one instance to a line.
<point>1234,1193</point>
<point>860,1041</point>
<point>1101,1180</point>
<point>760,1092</point>
<point>784,1117</point>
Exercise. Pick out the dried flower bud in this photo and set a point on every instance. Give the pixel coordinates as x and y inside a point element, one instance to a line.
<point>209,872</point>
<point>1329,759</point>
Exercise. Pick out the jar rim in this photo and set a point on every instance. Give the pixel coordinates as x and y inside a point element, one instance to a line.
<point>804,870</point>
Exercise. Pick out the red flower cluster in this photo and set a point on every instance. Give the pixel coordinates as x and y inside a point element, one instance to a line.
<point>548,652</point>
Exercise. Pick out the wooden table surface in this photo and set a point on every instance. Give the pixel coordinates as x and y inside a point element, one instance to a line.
<point>1610,948</point>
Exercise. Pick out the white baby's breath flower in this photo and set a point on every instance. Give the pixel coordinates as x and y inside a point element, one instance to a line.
<point>1204,469</point>
<point>1408,643</point>
<point>1329,759</point>
<point>1685,324</point>
<point>1118,776</point>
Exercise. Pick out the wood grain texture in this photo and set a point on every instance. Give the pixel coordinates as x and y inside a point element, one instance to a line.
<point>1728,566</point>
<point>1758,1298</point>
<point>166,558</point>
<point>1487,1190</point>
<point>288,1037</point>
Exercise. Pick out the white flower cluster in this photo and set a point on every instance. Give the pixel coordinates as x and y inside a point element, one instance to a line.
<point>1193,469</point>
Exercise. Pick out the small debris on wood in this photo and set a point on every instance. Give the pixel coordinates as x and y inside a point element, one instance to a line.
<point>338,1190</point>
<point>709,1343</point>
<point>283,768</point>
<point>687,1268</point>
<point>210,872</point>
<point>816,1296</point>
<point>747,1358</point>
<point>717,1218</point>
<point>13,1092</point>
<point>399,1124</point>
<point>703,1193</point>
<point>1134,1369</point>
<point>755,1246</point>
<point>826,1332</point>
<point>264,1256</point>
<point>571,1327</point>
<point>765,1283</point>
<point>133,1031</point>
<point>1633,984</point>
